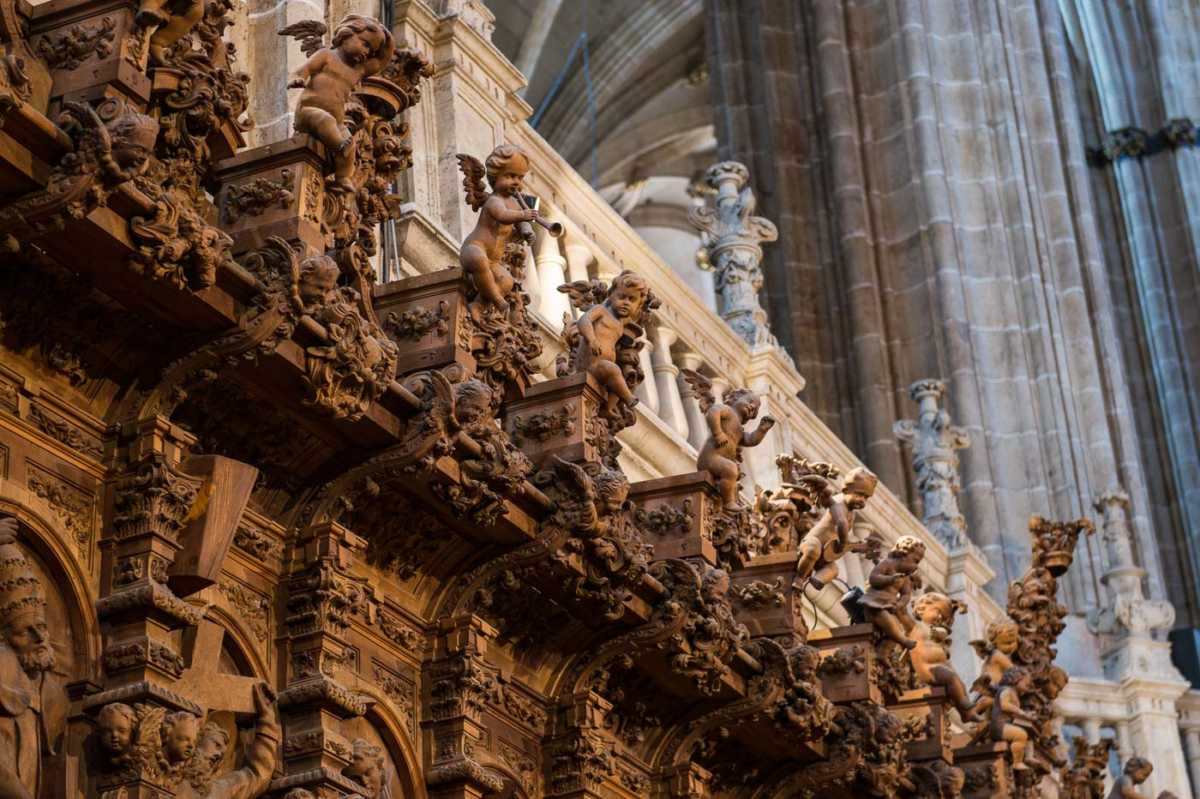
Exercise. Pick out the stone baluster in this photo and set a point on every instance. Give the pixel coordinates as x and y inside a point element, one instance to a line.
<point>935,443</point>
<point>551,267</point>
<point>1091,730</point>
<point>579,258</point>
<point>647,391</point>
<point>532,282</point>
<point>1124,741</point>
<point>697,430</point>
<point>670,403</point>
<point>1192,736</point>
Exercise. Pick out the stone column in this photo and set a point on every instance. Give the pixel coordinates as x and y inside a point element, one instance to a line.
<point>551,267</point>
<point>935,442</point>
<point>1091,730</point>
<point>697,431</point>
<point>732,241</point>
<point>466,103</point>
<point>1124,744</point>
<point>670,403</point>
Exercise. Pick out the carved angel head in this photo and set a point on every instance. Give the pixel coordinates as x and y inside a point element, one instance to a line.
<point>507,167</point>
<point>179,733</point>
<point>858,486</point>
<point>744,402</point>
<point>627,296</point>
<point>359,38</point>
<point>116,721</point>
<point>318,280</point>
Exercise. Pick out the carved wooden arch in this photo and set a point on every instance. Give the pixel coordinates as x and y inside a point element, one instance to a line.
<point>387,722</point>
<point>38,533</point>
<point>240,639</point>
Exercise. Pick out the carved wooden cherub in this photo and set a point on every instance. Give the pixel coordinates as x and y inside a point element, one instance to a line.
<point>361,47</point>
<point>721,455</point>
<point>116,724</point>
<point>890,588</point>
<point>173,20</point>
<point>933,619</point>
<point>829,539</point>
<point>483,251</point>
<point>369,767</point>
<point>597,337</point>
<point>1137,770</point>
<point>1010,721</point>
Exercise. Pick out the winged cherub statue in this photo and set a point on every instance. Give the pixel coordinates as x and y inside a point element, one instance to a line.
<point>721,455</point>
<point>483,253</point>
<point>361,47</point>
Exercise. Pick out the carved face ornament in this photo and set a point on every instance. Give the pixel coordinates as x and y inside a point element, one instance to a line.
<point>28,635</point>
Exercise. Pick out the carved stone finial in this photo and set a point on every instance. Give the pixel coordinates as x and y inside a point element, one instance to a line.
<point>732,239</point>
<point>1127,613</point>
<point>935,442</point>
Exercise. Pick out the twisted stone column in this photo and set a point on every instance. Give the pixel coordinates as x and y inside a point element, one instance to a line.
<point>732,241</point>
<point>935,443</point>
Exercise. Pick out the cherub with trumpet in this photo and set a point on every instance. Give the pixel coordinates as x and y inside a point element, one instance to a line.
<point>503,221</point>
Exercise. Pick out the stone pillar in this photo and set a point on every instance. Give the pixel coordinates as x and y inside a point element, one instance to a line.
<point>966,575</point>
<point>666,373</point>
<point>468,100</point>
<point>697,430</point>
<point>1154,732</point>
<point>935,442</point>
<point>551,267</point>
<point>1091,730</point>
<point>732,242</point>
<point>1124,743</point>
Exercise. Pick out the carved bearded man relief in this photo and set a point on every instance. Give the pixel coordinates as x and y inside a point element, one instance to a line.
<point>32,704</point>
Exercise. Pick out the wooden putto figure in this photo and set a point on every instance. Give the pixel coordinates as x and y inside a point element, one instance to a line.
<point>932,622</point>
<point>603,341</point>
<point>829,539</point>
<point>500,210</point>
<point>361,47</point>
<point>890,589</point>
<point>1137,770</point>
<point>721,455</point>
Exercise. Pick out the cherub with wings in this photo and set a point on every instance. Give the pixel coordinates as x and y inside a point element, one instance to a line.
<point>721,455</point>
<point>361,47</point>
<point>829,539</point>
<point>500,210</point>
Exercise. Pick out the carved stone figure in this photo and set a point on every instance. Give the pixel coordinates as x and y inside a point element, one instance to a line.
<point>933,620</point>
<point>1137,770</point>
<point>935,443</point>
<point>891,584</point>
<point>500,210</point>
<point>361,47</point>
<point>32,702</point>
<point>604,342</point>
<point>1010,721</point>
<point>1127,613</point>
<point>721,455</point>
<point>369,767</point>
<point>829,538</point>
<point>732,239</point>
<point>181,752</point>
